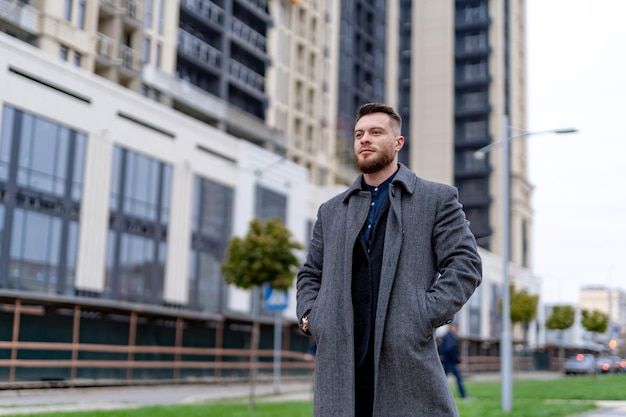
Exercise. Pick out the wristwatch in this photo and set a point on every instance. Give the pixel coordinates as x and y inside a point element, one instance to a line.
<point>304,323</point>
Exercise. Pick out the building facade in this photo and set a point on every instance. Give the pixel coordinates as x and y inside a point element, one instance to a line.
<point>175,122</point>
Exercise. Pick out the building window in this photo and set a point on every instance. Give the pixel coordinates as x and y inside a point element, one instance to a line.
<point>161,16</point>
<point>270,204</point>
<point>139,216</point>
<point>77,59</point>
<point>147,20</point>
<point>67,10</point>
<point>82,7</point>
<point>41,168</point>
<point>157,58</point>
<point>475,302</point>
<point>146,50</point>
<point>64,53</point>
<point>211,228</point>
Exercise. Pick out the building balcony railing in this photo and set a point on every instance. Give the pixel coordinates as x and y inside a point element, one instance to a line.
<point>206,9</point>
<point>20,15</point>
<point>106,48</point>
<point>193,47</point>
<point>131,58</point>
<point>247,76</point>
<point>260,5</point>
<point>248,35</point>
<point>110,51</point>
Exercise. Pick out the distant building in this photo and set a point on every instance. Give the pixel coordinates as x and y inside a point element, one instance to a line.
<point>610,301</point>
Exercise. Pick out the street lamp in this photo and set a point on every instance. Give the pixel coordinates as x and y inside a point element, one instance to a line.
<point>506,346</point>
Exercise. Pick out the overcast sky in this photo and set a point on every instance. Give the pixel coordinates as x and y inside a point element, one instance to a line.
<point>577,77</point>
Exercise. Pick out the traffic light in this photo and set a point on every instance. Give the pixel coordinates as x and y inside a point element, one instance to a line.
<point>612,344</point>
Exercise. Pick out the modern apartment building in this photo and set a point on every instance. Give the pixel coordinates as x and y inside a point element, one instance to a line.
<point>115,212</point>
<point>286,77</point>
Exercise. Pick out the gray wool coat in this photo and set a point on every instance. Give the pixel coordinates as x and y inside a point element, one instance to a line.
<point>430,268</point>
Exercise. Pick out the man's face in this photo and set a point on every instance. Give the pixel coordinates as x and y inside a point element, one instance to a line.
<point>376,142</point>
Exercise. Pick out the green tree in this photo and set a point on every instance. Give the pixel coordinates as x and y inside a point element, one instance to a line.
<point>561,319</point>
<point>265,256</point>
<point>523,308</point>
<point>595,322</point>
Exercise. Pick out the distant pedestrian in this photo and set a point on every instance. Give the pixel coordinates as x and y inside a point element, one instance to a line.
<point>450,358</point>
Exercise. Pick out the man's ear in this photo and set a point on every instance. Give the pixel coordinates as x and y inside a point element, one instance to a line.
<point>399,142</point>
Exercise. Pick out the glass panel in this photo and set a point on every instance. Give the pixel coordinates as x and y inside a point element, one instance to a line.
<point>109,291</point>
<point>116,172</point>
<point>5,141</point>
<point>166,187</point>
<point>1,225</point>
<point>79,166</point>
<point>270,204</point>
<point>42,157</point>
<point>72,254</point>
<point>208,291</point>
<point>216,216</point>
<point>141,185</point>
<point>135,268</point>
<point>34,252</point>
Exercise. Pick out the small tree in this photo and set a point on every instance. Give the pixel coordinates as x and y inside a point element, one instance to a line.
<point>523,309</point>
<point>561,318</point>
<point>595,322</point>
<point>265,256</point>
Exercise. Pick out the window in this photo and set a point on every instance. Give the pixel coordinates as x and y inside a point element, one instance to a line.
<point>158,55</point>
<point>161,17</point>
<point>211,229</point>
<point>64,53</point>
<point>475,303</point>
<point>139,210</point>
<point>77,59</point>
<point>67,10</point>
<point>146,50</point>
<point>42,183</point>
<point>81,14</point>
<point>147,20</point>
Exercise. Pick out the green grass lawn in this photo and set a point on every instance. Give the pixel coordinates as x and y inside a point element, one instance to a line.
<point>531,398</point>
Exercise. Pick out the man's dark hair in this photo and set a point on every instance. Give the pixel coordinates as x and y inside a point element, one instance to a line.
<point>370,108</point>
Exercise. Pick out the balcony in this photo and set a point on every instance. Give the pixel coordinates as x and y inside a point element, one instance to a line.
<point>247,77</point>
<point>199,51</point>
<point>247,35</point>
<point>18,19</point>
<point>205,9</point>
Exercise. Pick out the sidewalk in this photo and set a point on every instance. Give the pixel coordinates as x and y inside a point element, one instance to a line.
<point>28,401</point>
<point>16,402</point>
<point>607,409</point>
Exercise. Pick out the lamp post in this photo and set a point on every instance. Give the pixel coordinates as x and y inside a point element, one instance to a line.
<point>506,346</point>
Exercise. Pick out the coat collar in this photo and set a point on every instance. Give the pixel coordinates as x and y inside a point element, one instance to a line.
<point>404,178</point>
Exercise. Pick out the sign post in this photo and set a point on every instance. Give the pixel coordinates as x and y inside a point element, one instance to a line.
<point>276,300</point>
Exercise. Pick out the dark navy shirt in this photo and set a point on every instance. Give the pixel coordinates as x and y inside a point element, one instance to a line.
<point>380,196</point>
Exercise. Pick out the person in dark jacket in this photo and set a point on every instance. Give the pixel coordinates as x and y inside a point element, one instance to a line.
<point>450,358</point>
<point>391,259</point>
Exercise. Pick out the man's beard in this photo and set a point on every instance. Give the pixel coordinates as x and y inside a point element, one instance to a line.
<point>374,162</point>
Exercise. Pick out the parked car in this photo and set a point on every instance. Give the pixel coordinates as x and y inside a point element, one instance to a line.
<point>581,364</point>
<point>609,364</point>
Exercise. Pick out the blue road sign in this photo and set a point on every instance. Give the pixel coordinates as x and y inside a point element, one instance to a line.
<point>275,299</point>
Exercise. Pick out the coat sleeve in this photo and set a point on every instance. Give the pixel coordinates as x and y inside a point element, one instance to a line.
<point>309,277</point>
<point>457,260</point>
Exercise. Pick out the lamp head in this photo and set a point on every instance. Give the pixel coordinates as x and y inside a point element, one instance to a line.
<point>566,130</point>
<point>480,155</point>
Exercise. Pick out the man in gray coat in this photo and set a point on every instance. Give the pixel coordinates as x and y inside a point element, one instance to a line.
<point>391,259</point>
